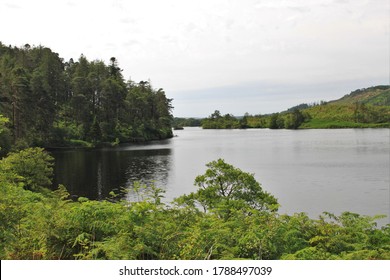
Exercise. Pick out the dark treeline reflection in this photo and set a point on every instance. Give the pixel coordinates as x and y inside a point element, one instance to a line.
<point>95,173</point>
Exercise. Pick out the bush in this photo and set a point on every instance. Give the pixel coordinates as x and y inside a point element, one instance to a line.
<point>224,187</point>
<point>34,167</point>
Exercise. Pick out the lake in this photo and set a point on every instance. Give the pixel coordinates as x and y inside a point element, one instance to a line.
<point>310,171</point>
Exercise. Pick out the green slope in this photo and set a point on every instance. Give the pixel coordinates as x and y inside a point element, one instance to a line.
<point>368,107</point>
<point>378,95</point>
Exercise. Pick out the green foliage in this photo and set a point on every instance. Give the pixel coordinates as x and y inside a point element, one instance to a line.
<point>290,120</point>
<point>5,136</point>
<point>362,108</point>
<point>294,120</point>
<point>82,100</point>
<point>378,95</point>
<point>276,121</point>
<point>217,121</point>
<point>181,122</point>
<point>238,223</point>
<point>95,132</point>
<point>3,121</point>
<point>348,236</point>
<point>224,187</point>
<point>258,121</point>
<point>348,115</point>
<point>33,166</point>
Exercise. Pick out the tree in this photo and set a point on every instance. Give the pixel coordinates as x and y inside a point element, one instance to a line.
<point>5,136</point>
<point>217,121</point>
<point>95,133</point>
<point>244,121</point>
<point>294,120</point>
<point>73,99</point>
<point>276,121</point>
<point>32,166</point>
<point>215,115</point>
<point>224,187</point>
<point>13,89</point>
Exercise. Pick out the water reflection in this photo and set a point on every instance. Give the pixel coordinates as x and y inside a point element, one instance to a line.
<point>95,173</point>
<point>307,170</point>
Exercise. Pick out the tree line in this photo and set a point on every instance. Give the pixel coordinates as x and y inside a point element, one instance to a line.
<point>323,115</point>
<point>52,102</point>
<point>290,120</point>
<point>368,107</point>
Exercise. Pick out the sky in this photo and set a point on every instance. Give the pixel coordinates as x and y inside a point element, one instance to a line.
<point>235,56</point>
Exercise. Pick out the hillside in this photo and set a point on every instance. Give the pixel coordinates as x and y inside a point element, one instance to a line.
<point>369,107</point>
<point>378,96</point>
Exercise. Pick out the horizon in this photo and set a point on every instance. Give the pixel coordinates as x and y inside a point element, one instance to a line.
<point>252,114</point>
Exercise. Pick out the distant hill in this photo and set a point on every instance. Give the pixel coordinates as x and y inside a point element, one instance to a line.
<point>378,96</point>
<point>362,108</point>
<point>368,107</point>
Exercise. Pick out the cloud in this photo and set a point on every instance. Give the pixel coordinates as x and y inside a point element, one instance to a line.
<point>71,4</point>
<point>118,4</point>
<point>10,5</point>
<point>131,43</point>
<point>128,20</point>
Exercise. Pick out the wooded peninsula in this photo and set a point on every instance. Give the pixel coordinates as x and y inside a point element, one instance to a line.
<point>53,103</point>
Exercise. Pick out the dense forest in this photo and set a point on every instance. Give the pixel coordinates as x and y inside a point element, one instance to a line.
<point>230,216</point>
<point>50,102</point>
<point>361,108</point>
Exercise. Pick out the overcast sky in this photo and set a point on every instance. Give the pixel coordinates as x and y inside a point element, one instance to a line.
<point>255,56</point>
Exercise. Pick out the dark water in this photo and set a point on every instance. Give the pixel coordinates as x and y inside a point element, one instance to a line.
<point>94,173</point>
<point>307,170</point>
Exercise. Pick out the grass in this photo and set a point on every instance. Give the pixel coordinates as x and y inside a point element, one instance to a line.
<point>323,123</point>
<point>80,143</point>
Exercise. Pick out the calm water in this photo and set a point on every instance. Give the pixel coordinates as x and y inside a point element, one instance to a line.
<point>307,170</point>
